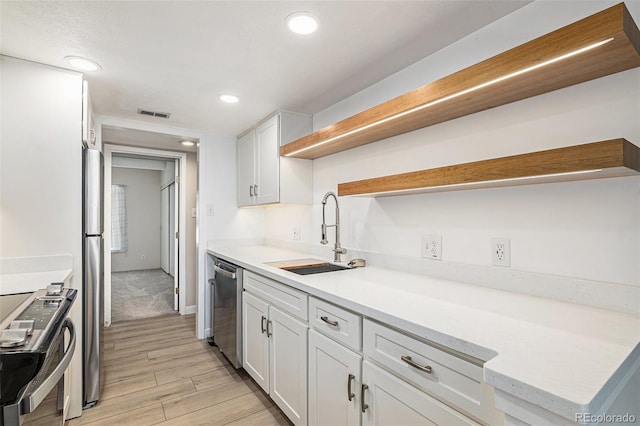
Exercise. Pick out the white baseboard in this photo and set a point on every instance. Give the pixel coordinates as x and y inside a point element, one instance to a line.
<point>188,310</point>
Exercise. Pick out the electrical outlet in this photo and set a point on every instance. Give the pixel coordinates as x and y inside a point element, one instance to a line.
<point>500,252</point>
<point>143,257</point>
<point>296,233</point>
<point>432,246</point>
<point>210,210</point>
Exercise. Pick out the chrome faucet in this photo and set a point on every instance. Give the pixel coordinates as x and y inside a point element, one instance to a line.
<point>337,249</point>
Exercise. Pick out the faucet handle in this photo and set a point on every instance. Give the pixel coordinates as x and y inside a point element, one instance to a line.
<point>340,250</point>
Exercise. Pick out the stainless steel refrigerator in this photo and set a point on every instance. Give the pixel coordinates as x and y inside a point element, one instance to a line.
<point>93,275</point>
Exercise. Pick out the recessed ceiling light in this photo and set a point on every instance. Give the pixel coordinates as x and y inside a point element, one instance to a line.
<point>83,64</point>
<point>302,22</point>
<point>230,99</point>
<point>187,143</point>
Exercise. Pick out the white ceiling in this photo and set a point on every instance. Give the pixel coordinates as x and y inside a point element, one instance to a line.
<point>177,56</point>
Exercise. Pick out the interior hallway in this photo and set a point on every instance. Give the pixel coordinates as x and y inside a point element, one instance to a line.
<point>157,372</point>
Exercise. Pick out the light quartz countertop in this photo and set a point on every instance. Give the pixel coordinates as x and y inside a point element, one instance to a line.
<point>564,357</point>
<point>31,281</point>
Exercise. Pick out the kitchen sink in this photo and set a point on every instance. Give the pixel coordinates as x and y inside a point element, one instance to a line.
<point>315,269</point>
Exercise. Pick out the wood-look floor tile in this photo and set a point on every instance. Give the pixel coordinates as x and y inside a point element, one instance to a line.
<point>180,406</point>
<point>267,417</point>
<point>223,413</point>
<point>153,366</point>
<point>195,346</point>
<point>217,377</point>
<point>139,343</point>
<point>137,331</point>
<point>124,359</point>
<point>145,416</point>
<point>133,384</point>
<point>137,400</point>
<point>182,371</point>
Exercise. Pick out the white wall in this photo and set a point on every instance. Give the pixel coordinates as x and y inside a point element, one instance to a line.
<point>587,229</point>
<point>41,175</point>
<point>143,219</point>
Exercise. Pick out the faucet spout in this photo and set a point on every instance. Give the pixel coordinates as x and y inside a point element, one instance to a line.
<point>337,249</point>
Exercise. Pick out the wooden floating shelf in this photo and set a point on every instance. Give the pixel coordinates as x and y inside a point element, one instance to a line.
<point>612,158</point>
<point>601,44</point>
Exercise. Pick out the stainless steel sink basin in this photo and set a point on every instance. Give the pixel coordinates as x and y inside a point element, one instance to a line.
<point>315,269</point>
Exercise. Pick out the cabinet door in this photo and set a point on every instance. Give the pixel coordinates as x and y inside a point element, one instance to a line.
<point>392,401</point>
<point>255,342</point>
<point>268,161</point>
<point>288,361</point>
<point>246,169</point>
<point>334,382</point>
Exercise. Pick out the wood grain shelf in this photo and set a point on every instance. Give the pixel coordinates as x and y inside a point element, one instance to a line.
<point>612,158</point>
<point>601,44</point>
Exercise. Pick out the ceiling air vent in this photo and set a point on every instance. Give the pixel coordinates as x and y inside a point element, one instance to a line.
<point>154,113</point>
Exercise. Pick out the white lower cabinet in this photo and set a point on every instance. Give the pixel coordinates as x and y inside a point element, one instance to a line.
<point>275,354</point>
<point>334,381</point>
<point>388,400</point>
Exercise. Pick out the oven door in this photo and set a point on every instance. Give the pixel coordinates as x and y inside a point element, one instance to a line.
<point>44,398</point>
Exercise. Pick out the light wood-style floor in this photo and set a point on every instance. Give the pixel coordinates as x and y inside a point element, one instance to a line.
<point>158,373</point>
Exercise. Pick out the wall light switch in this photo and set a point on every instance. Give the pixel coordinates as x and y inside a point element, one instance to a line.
<point>210,210</point>
<point>194,212</point>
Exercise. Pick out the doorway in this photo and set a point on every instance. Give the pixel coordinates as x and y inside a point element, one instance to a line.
<point>115,135</point>
<point>144,218</point>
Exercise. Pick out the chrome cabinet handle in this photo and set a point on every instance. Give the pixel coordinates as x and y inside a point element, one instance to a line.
<point>328,321</point>
<point>408,360</point>
<point>262,326</point>
<point>269,333</point>
<point>350,394</point>
<point>250,190</point>
<point>363,406</point>
<point>255,190</point>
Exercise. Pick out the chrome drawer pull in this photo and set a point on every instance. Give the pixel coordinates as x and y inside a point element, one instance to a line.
<point>350,394</point>
<point>328,321</point>
<point>250,190</point>
<point>262,324</point>
<point>408,360</point>
<point>269,333</point>
<point>363,406</point>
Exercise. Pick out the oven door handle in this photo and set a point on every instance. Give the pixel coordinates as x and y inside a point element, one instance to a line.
<point>31,402</point>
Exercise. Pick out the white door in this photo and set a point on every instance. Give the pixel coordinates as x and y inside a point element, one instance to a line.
<point>255,342</point>
<point>288,362</point>
<point>164,229</point>
<point>268,162</point>
<point>246,169</point>
<point>334,382</point>
<point>393,402</point>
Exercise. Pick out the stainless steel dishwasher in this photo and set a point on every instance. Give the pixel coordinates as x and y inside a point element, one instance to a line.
<point>227,310</point>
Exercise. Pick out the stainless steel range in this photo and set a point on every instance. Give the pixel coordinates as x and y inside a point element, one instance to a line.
<point>33,353</point>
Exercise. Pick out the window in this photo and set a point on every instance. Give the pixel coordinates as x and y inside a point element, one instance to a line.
<point>119,241</point>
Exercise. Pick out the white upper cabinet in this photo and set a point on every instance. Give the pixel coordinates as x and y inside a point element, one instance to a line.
<point>263,176</point>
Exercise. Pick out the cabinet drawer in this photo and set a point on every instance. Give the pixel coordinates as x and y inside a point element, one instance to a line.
<point>442,374</point>
<point>284,297</point>
<point>335,322</point>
